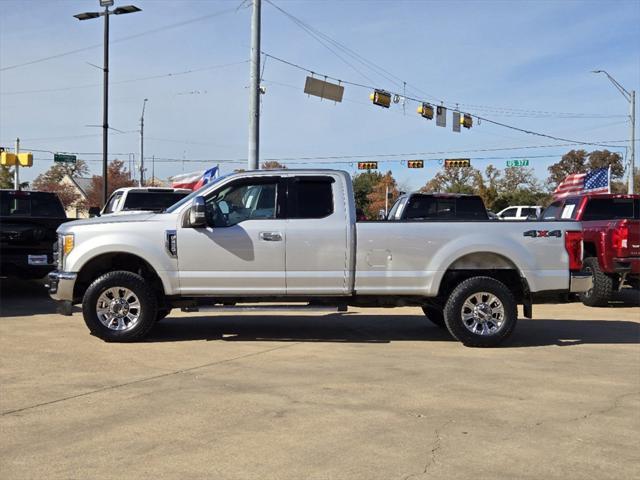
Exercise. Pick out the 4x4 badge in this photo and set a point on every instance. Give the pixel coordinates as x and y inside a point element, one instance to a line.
<point>543,233</point>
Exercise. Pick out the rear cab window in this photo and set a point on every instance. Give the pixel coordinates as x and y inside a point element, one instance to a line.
<point>155,201</point>
<point>310,197</point>
<point>428,207</point>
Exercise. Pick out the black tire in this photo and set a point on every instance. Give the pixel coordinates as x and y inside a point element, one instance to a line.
<point>162,313</point>
<point>435,315</point>
<point>602,290</point>
<point>454,309</point>
<point>147,309</point>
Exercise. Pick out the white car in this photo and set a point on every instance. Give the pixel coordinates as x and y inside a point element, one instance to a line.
<point>520,212</point>
<point>137,199</point>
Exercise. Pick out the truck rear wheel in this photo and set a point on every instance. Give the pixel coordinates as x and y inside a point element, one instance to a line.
<point>481,312</point>
<point>119,307</point>
<point>602,290</point>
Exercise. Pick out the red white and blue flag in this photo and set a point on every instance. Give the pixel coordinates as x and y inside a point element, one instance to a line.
<point>595,181</point>
<point>195,180</point>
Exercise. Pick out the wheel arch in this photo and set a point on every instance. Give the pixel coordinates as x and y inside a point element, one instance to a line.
<point>112,261</point>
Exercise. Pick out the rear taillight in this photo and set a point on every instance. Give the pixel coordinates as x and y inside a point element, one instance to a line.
<point>620,239</point>
<point>573,245</point>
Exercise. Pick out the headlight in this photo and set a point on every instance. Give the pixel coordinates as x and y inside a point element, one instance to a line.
<point>67,241</point>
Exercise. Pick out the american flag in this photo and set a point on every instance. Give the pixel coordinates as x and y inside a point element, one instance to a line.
<point>595,181</point>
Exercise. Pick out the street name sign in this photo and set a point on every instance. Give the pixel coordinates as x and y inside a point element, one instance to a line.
<point>517,163</point>
<point>64,158</point>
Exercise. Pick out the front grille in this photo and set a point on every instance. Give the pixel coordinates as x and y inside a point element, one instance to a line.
<point>57,253</point>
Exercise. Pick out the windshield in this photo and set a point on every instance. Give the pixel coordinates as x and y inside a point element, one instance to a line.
<point>30,204</point>
<point>194,194</point>
<point>156,201</point>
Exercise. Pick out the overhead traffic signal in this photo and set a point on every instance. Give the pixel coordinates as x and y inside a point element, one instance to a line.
<point>466,121</point>
<point>457,163</point>
<point>415,163</point>
<point>426,111</point>
<point>8,159</point>
<point>381,98</point>
<point>367,165</point>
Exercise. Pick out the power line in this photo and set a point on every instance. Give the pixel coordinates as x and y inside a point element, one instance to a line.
<point>419,101</point>
<point>122,39</point>
<point>515,112</point>
<point>150,77</point>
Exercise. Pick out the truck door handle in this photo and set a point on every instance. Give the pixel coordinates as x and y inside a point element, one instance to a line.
<point>271,236</point>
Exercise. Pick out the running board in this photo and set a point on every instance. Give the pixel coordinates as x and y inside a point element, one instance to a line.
<point>267,308</point>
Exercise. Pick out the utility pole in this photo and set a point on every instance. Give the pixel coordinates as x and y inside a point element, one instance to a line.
<point>105,105</point>
<point>144,103</point>
<point>631,98</point>
<point>254,90</point>
<point>632,160</point>
<point>16,175</point>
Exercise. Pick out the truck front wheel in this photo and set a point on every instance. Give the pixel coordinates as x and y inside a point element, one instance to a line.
<point>481,312</point>
<point>119,307</point>
<point>602,290</point>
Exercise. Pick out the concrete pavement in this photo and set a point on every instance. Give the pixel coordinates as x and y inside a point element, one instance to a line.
<point>371,394</point>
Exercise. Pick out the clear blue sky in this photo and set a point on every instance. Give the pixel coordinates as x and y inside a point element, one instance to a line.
<point>497,59</point>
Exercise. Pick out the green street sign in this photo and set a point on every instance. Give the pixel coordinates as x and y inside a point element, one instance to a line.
<point>517,163</point>
<point>64,158</point>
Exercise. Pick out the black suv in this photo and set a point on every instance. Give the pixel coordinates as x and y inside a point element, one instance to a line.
<point>28,224</point>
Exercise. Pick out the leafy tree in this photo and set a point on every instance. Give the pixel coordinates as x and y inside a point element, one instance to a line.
<point>579,161</point>
<point>118,177</point>
<point>49,181</point>
<point>272,165</point>
<point>376,199</point>
<point>363,184</point>
<point>453,180</point>
<point>488,185</point>
<point>6,177</point>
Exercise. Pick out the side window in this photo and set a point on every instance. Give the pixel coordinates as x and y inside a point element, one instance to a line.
<point>510,213</point>
<point>310,197</point>
<point>239,202</point>
<point>551,211</point>
<point>421,207</point>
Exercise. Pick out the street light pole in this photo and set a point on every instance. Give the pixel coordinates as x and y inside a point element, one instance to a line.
<point>254,89</point>
<point>631,98</point>
<point>105,69</point>
<point>144,103</point>
<point>105,105</point>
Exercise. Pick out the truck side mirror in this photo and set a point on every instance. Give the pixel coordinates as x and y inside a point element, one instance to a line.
<point>197,213</point>
<point>94,212</point>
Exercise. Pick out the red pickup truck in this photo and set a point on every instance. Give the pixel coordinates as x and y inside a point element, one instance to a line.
<point>611,233</point>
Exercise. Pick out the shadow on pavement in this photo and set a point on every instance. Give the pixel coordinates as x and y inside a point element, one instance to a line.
<point>381,329</point>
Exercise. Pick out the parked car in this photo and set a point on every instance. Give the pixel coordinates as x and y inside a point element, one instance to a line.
<point>28,223</point>
<point>520,212</point>
<point>420,206</point>
<point>136,199</point>
<point>611,231</point>
<point>268,236</point>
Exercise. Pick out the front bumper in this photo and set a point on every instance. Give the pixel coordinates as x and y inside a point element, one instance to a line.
<point>61,285</point>
<point>580,282</point>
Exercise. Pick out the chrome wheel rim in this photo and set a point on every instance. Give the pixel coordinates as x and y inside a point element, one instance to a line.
<point>118,308</point>
<point>483,314</point>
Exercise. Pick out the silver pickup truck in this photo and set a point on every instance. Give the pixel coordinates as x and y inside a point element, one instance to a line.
<point>291,236</point>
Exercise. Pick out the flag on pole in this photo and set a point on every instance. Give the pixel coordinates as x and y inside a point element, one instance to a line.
<point>195,180</point>
<point>595,181</point>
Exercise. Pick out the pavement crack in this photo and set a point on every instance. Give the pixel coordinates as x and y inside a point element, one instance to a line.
<point>433,451</point>
<point>146,379</point>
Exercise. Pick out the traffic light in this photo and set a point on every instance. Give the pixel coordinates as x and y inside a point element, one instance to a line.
<point>457,163</point>
<point>381,98</point>
<point>426,110</point>
<point>25,159</point>
<point>367,165</point>
<point>415,163</point>
<point>466,121</point>
<point>8,159</point>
